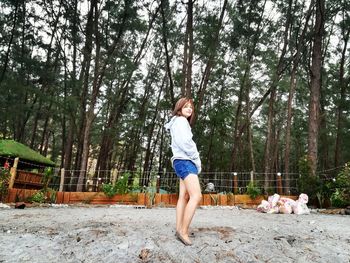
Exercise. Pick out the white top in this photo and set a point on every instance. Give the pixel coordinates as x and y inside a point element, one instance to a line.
<point>182,145</point>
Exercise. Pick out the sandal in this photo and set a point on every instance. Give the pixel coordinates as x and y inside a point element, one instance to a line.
<point>185,242</point>
<point>191,234</point>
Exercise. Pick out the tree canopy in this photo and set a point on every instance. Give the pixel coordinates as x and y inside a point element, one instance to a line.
<point>93,82</point>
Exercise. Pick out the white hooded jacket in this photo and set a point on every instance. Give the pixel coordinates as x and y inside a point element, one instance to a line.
<point>182,145</point>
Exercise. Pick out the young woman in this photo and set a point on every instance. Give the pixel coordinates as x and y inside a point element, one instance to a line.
<point>187,166</point>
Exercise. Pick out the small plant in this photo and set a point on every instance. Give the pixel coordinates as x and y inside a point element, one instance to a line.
<point>253,190</point>
<point>47,176</point>
<point>53,195</point>
<point>215,199</point>
<point>341,196</point>
<point>38,197</point>
<point>270,191</point>
<point>337,199</point>
<point>308,183</point>
<point>151,193</point>
<point>230,199</point>
<point>109,190</point>
<point>120,187</point>
<point>4,180</point>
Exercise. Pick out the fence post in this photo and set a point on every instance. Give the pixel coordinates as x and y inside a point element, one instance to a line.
<point>235,183</point>
<point>251,176</point>
<point>279,183</point>
<point>114,176</point>
<point>158,183</point>
<point>62,180</point>
<point>13,172</point>
<point>165,179</point>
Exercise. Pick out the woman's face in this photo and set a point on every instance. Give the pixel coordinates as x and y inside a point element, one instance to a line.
<point>187,110</point>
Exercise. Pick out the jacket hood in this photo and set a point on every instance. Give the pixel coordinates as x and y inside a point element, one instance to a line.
<point>170,123</point>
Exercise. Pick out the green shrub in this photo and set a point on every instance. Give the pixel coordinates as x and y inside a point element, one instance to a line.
<point>253,190</point>
<point>341,196</point>
<point>38,197</point>
<point>52,194</point>
<point>120,187</point>
<point>337,199</point>
<point>109,190</point>
<point>4,180</point>
<point>307,183</point>
<point>310,185</point>
<point>47,176</point>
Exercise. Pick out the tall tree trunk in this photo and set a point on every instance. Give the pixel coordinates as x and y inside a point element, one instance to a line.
<point>83,94</point>
<point>292,85</point>
<point>118,104</point>
<point>86,118</point>
<point>208,157</point>
<point>315,74</point>
<point>211,61</point>
<point>147,161</point>
<point>190,48</point>
<point>161,150</point>
<point>342,102</point>
<point>269,139</point>
<point>251,149</point>
<point>238,129</point>
<point>324,138</point>
<point>72,109</point>
<point>167,56</point>
<point>270,143</point>
<point>13,31</point>
<point>35,126</point>
<point>99,72</point>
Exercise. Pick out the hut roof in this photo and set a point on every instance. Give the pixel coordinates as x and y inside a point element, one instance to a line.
<point>13,149</point>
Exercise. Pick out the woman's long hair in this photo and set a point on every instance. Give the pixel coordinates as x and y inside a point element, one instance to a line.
<point>180,104</point>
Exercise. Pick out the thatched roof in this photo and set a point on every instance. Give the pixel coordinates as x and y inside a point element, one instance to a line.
<point>13,149</point>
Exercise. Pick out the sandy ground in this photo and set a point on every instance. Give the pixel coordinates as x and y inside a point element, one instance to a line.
<point>127,234</point>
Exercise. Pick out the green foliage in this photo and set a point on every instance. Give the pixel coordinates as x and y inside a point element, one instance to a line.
<point>38,197</point>
<point>326,190</point>
<point>253,190</point>
<point>121,186</point>
<point>47,176</point>
<point>109,190</point>
<point>341,196</point>
<point>52,194</point>
<point>4,179</point>
<point>16,149</point>
<point>337,199</point>
<point>308,184</point>
<point>304,166</point>
<point>270,190</point>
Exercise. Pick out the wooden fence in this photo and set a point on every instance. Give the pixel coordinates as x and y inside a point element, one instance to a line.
<point>141,199</point>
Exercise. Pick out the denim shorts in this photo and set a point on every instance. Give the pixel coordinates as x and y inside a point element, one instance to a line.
<point>184,167</point>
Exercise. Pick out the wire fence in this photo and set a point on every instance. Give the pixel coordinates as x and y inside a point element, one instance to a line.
<point>167,181</point>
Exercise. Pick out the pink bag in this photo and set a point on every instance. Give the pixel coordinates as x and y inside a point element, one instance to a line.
<point>263,207</point>
<point>303,198</point>
<point>285,208</point>
<point>273,199</point>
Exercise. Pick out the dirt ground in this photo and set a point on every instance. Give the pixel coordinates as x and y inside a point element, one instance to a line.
<point>130,234</point>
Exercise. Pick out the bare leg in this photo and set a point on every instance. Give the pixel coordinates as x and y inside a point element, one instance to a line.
<point>181,205</point>
<point>193,188</point>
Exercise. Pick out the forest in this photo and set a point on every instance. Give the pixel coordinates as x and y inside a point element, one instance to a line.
<point>91,83</point>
